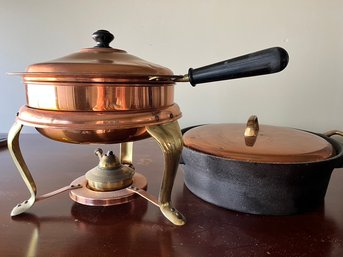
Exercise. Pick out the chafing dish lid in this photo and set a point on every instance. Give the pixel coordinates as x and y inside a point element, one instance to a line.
<point>100,63</point>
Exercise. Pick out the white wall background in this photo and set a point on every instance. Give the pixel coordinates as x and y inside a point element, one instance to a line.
<point>180,34</point>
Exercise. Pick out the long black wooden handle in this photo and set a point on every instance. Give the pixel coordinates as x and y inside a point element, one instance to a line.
<point>263,62</point>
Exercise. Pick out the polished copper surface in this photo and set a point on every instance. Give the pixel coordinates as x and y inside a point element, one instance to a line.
<point>96,127</point>
<point>87,196</point>
<point>96,61</point>
<point>98,79</point>
<point>60,227</point>
<point>99,97</point>
<point>273,144</point>
<point>101,136</point>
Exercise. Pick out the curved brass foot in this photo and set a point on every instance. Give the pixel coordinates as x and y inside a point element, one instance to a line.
<point>172,214</point>
<point>169,138</point>
<point>13,146</point>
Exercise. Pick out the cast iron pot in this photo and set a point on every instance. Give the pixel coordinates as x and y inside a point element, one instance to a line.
<point>263,187</point>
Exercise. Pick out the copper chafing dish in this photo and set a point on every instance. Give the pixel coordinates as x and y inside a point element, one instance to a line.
<point>105,95</point>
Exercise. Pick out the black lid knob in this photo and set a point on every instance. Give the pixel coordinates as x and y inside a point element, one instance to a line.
<point>103,38</point>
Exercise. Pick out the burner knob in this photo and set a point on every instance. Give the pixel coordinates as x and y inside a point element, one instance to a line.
<point>108,160</point>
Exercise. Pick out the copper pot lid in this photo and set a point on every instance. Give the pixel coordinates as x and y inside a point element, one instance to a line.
<point>258,143</point>
<point>98,64</point>
<point>104,64</point>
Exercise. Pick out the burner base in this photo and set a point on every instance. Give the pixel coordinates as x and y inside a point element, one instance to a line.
<point>90,197</point>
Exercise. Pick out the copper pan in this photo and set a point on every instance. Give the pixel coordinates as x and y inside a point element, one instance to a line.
<point>94,91</point>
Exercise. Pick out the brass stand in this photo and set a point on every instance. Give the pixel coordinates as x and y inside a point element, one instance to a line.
<point>169,138</point>
<point>13,146</point>
<point>167,135</point>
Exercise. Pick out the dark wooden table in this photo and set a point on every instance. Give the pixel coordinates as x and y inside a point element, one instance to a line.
<point>60,227</point>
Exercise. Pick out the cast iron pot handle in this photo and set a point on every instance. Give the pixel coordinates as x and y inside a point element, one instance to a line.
<point>263,62</point>
<point>336,133</point>
<point>333,133</point>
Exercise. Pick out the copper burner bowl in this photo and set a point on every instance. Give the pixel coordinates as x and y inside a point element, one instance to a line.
<point>96,127</point>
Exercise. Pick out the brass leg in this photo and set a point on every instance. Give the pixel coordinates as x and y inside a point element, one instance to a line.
<point>13,146</point>
<point>169,138</point>
<point>126,151</point>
